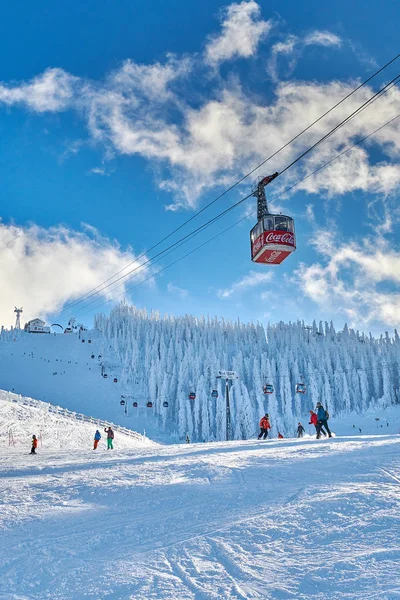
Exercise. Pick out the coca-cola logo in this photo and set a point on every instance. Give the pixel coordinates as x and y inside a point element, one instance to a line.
<point>274,237</point>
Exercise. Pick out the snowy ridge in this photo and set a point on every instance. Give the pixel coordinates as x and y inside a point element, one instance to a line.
<point>26,416</point>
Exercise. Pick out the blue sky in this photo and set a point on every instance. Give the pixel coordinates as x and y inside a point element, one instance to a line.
<point>118,121</point>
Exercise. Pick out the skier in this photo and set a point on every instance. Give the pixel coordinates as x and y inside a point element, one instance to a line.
<point>110,437</point>
<point>314,421</point>
<point>34,444</point>
<point>97,438</point>
<point>280,436</point>
<point>300,430</point>
<point>264,426</point>
<point>323,417</point>
<point>187,439</point>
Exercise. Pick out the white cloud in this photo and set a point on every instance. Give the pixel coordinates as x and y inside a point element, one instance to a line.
<point>251,280</point>
<point>322,38</point>
<point>349,280</point>
<point>45,268</point>
<point>242,31</point>
<point>141,110</point>
<point>52,91</point>
<point>174,289</point>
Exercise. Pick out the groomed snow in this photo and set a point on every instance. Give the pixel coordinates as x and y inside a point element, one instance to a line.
<point>242,520</point>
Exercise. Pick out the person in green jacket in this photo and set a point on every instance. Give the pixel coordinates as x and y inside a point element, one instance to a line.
<point>110,437</point>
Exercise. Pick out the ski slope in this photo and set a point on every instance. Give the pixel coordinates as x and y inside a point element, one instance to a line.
<point>55,427</point>
<point>59,369</point>
<point>299,519</point>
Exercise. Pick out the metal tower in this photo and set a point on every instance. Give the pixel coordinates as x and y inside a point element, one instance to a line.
<point>18,318</point>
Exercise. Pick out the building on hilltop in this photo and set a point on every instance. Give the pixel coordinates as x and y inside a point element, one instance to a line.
<point>36,326</point>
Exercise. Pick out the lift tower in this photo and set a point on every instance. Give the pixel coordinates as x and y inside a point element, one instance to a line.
<point>18,317</point>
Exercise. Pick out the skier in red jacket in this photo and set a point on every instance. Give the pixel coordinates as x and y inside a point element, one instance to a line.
<point>314,421</point>
<point>264,426</point>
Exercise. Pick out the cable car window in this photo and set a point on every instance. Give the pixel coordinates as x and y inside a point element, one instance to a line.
<point>281,223</point>
<point>268,224</point>
<point>290,225</point>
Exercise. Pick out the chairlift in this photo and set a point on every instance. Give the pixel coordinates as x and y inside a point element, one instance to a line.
<point>115,380</point>
<point>149,405</point>
<point>192,396</point>
<point>165,404</point>
<point>214,394</point>
<point>301,387</point>
<point>134,404</point>
<point>268,388</point>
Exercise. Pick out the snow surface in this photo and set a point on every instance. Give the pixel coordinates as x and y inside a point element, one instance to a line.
<point>55,427</point>
<point>299,519</point>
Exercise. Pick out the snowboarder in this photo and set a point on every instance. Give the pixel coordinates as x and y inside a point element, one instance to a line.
<point>314,421</point>
<point>187,439</point>
<point>300,430</point>
<point>110,437</point>
<point>97,438</point>
<point>323,417</point>
<point>264,426</point>
<point>34,444</point>
<point>280,436</point>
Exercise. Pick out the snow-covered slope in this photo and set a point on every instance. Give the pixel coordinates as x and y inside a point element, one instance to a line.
<point>55,427</point>
<point>59,369</point>
<point>280,520</point>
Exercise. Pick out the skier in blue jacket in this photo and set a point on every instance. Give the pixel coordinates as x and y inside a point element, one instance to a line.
<point>322,416</point>
<point>97,438</point>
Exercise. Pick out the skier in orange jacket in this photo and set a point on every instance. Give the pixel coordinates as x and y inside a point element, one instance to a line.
<point>264,426</point>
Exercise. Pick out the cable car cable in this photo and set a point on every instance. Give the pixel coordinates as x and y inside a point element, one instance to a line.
<point>321,167</point>
<point>96,289</point>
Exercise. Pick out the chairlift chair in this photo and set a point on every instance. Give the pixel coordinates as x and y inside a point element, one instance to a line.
<point>268,388</point>
<point>301,387</point>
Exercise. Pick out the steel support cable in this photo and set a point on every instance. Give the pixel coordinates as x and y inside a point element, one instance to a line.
<point>95,290</point>
<point>365,105</point>
<point>320,168</point>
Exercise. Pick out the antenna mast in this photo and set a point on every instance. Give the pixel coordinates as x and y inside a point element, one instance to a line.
<point>18,317</point>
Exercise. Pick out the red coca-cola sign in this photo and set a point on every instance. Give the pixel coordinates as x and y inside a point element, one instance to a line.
<point>279,237</point>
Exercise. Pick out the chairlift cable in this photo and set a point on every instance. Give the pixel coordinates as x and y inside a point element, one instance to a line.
<point>99,288</point>
<point>281,193</point>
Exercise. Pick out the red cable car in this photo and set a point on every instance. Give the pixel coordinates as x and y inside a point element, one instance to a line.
<point>273,238</point>
<point>192,396</point>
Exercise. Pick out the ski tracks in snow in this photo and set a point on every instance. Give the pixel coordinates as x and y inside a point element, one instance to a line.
<point>238,521</point>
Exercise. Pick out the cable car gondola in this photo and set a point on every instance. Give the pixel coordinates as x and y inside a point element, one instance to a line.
<point>273,238</point>
<point>115,380</point>
<point>301,387</point>
<point>92,356</point>
<point>214,394</point>
<point>89,341</point>
<point>134,404</point>
<point>149,405</point>
<point>192,396</point>
<point>268,388</point>
<point>122,403</point>
<point>165,404</point>
<point>105,375</point>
